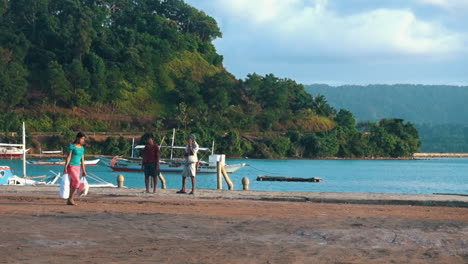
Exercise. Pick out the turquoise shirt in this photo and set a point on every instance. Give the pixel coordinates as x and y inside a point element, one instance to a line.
<point>77,153</point>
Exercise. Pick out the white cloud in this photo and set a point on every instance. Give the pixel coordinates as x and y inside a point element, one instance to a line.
<point>344,41</point>
<point>449,4</point>
<point>311,28</point>
<point>259,11</point>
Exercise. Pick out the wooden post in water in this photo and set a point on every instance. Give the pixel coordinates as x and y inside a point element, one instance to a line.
<point>226,178</point>
<point>218,175</point>
<point>163,180</point>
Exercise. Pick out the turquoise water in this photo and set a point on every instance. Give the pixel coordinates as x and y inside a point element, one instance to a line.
<point>442,175</point>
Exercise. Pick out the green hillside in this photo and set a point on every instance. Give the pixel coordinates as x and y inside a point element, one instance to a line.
<point>419,104</point>
<point>150,65</point>
<point>440,112</point>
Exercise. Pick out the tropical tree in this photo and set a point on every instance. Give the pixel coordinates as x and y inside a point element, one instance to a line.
<point>58,87</point>
<point>322,107</point>
<point>13,81</point>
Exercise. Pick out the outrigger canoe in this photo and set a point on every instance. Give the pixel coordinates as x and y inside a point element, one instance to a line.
<point>52,162</point>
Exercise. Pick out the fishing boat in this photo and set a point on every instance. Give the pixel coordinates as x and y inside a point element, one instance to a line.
<point>8,178</point>
<point>175,165</point>
<point>56,159</point>
<point>10,152</point>
<point>52,152</point>
<point>61,162</point>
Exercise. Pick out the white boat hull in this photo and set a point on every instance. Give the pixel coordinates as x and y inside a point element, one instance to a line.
<point>60,162</point>
<point>117,164</point>
<point>11,152</point>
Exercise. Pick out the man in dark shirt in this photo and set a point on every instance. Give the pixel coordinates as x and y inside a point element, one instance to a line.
<point>150,162</point>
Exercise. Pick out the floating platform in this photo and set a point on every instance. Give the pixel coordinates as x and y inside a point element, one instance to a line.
<point>288,179</point>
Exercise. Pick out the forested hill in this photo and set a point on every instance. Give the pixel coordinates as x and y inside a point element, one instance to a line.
<point>440,112</point>
<point>105,52</point>
<point>150,65</point>
<point>430,104</point>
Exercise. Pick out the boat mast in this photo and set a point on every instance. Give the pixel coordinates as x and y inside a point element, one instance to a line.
<point>133,146</point>
<point>172,144</point>
<point>24,151</point>
<point>23,147</point>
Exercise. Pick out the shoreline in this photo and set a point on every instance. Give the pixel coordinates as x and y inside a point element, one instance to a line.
<point>440,155</point>
<point>418,155</point>
<point>440,199</point>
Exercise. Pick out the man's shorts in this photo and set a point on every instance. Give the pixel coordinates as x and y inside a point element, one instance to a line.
<point>150,169</point>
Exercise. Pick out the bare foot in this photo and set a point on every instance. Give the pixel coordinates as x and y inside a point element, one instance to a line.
<point>71,202</point>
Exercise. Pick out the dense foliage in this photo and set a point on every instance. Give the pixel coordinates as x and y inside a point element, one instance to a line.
<point>150,65</point>
<point>452,138</point>
<point>438,111</point>
<point>80,52</point>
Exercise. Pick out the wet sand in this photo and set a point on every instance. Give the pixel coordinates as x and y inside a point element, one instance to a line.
<point>37,227</point>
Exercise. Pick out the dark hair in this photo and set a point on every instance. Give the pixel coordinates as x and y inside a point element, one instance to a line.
<point>149,135</point>
<point>192,136</point>
<point>78,137</point>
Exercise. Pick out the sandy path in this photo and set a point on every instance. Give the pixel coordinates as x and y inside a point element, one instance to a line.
<point>111,229</point>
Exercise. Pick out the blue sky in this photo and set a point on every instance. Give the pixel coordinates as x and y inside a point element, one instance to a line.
<point>344,41</point>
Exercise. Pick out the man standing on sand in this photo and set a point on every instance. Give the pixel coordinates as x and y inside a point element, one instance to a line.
<point>190,164</point>
<point>150,164</point>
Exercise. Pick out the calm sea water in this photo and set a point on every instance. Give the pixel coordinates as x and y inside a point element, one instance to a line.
<point>441,175</point>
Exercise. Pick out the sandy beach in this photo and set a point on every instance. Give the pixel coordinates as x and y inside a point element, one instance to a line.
<point>131,227</point>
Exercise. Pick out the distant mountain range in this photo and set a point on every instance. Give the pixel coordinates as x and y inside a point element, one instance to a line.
<point>419,104</point>
<point>440,112</point>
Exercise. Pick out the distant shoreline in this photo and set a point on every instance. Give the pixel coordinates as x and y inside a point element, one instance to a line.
<point>415,155</point>
<point>441,155</point>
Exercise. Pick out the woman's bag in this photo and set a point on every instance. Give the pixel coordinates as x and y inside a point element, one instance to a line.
<point>65,186</point>
<point>84,187</point>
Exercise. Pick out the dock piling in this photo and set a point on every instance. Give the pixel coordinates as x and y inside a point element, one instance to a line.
<point>120,181</point>
<point>163,180</point>
<point>227,178</point>
<point>245,183</point>
<point>218,174</point>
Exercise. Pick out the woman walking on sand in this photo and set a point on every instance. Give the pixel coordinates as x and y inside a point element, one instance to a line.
<point>150,164</point>
<point>190,163</point>
<point>75,163</point>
